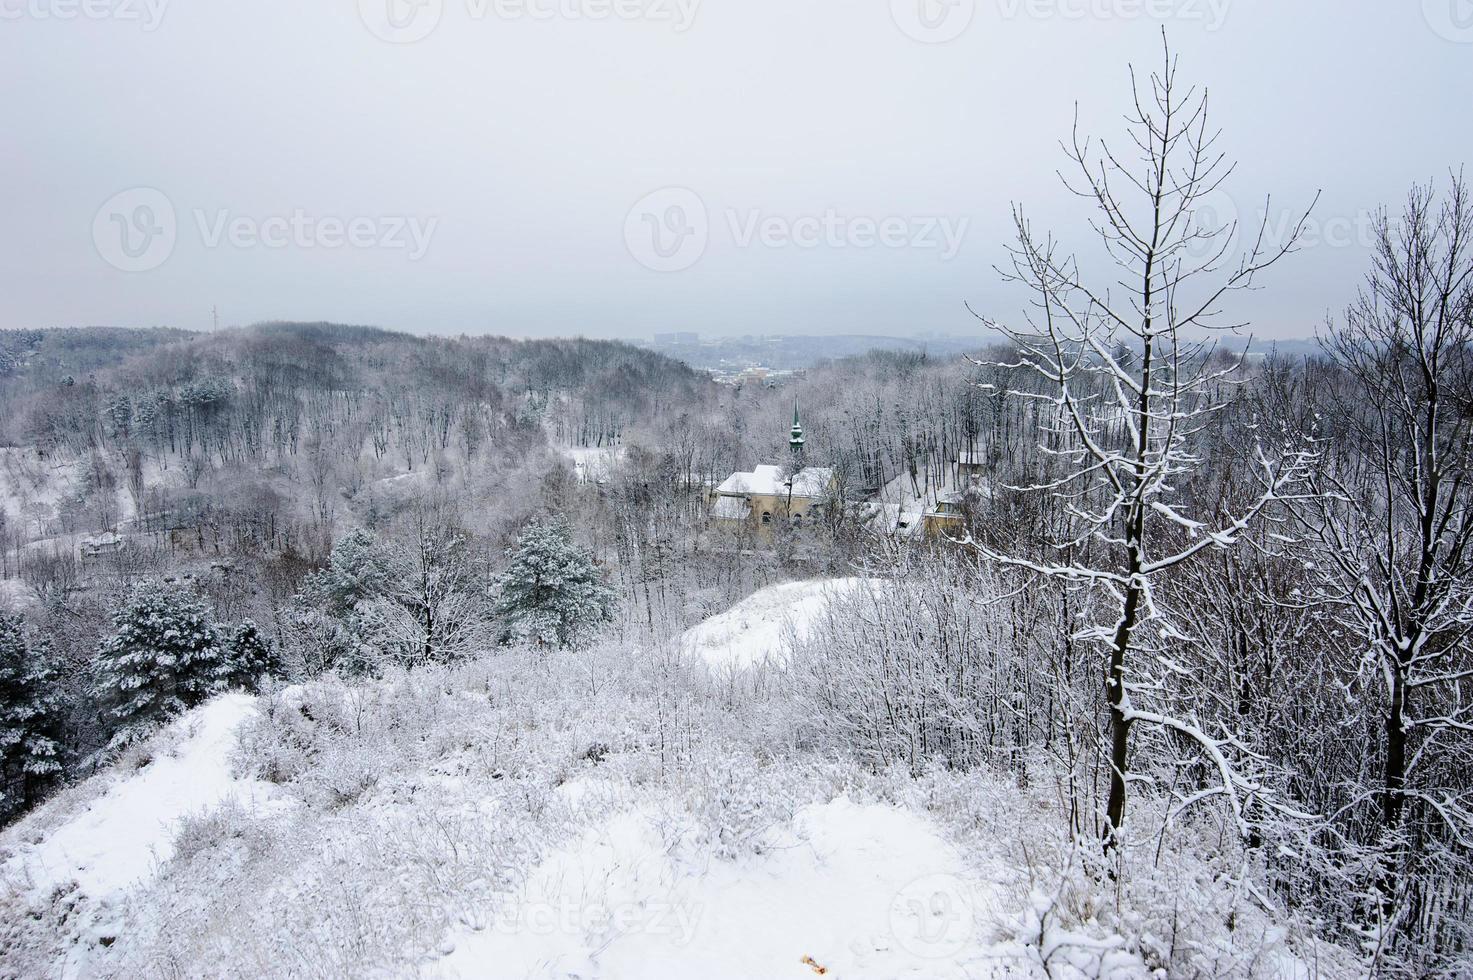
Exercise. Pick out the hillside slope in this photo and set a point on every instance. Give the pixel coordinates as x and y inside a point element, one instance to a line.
<point>608,814</point>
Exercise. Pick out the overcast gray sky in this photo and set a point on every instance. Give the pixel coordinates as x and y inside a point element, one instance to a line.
<point>620,167</point>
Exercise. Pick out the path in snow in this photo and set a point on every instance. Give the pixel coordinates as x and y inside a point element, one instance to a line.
<point>854,890</point>
<point>118,838</point>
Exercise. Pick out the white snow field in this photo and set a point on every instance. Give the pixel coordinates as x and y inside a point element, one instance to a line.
<point>763,627</point>
<point>605,814</point>
<point>593,464</point>
<point>852,890</point>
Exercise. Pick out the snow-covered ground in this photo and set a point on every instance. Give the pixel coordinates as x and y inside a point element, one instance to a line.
<point>848,889</point>
<point>82,855</point>
<point>117,832</point>
<point>593,464</point>
<point>763,627</point>
<point>587,817</point>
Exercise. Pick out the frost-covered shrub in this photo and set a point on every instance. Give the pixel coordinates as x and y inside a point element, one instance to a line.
<point>911,670</point>
<point>227,824</point>
<point>731,800</point>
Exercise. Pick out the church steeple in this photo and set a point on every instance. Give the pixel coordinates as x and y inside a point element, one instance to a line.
<point>795,437</point>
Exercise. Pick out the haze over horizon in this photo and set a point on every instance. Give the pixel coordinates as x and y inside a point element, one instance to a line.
<point>540,168</point>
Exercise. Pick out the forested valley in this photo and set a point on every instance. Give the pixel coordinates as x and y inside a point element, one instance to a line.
<point>1160,649</point>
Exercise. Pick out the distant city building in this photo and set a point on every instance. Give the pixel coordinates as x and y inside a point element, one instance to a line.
<point>756,375</point>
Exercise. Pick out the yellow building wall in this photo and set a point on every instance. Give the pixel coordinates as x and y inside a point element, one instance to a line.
<point>778,507</point>
<point>941,526</point>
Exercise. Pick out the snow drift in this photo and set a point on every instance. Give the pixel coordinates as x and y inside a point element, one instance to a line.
<point>764,626</point>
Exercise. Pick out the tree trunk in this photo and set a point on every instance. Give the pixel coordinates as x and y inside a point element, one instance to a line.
<point>1393,799</point>
<point>1119,724</point>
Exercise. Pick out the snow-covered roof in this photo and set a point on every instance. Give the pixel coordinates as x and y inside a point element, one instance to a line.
<point>762,479</point>
<point>811,481</point>
<point>731,509</point>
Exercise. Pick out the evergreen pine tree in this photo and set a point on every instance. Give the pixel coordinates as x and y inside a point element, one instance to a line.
<point>31,716</point>
<point>327,612</point>
<point>248,657</point>
<point>165,655</point>
<point>551,591</point>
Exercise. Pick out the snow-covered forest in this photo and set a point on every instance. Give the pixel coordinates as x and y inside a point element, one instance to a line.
<point>334,651</point>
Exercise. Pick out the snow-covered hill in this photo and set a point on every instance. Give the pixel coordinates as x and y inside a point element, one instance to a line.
<point>763,627</point>
<point>588,816</point>
<point>81,855</point>
<point>115,831</point>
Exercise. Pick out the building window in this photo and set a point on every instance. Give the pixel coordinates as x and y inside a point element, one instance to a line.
<point>766,517</point>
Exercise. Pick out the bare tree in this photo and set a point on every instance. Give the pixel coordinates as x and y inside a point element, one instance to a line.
<point>1394,521</point>
<point>1126,392</point>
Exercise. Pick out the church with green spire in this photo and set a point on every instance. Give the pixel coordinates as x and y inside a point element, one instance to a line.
<point>790,494</point>
<point>795,437</point>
